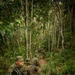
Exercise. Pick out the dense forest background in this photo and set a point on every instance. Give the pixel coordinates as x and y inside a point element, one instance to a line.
<point>29,27</point>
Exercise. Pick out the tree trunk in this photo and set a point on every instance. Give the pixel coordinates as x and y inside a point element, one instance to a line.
<point>30,28</point>
<point>59,17</point>
<point>26,24</point>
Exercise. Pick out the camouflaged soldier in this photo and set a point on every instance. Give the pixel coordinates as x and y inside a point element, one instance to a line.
<point>33,68</point>
<point>18,68</point>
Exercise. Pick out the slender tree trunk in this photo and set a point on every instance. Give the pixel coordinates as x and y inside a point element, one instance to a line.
<point>26,24</point>
<point>30,28</point>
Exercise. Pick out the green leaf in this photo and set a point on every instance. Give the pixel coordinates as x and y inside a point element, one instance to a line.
<point>18,21</point>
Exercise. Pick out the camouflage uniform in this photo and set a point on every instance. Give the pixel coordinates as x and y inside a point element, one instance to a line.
<point>14,70</point>
<point>33,68</point>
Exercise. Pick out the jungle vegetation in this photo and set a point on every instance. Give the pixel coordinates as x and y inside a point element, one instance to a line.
<point>29,27</point>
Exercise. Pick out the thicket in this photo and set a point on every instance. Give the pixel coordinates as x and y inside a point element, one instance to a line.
<point>36,27</point>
